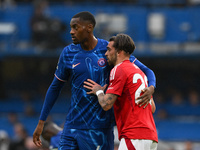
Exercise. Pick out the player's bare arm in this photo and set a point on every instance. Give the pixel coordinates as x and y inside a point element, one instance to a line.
<point>37,133</point>
<point>105,100</point>
<point>145,98</point>
<point>153,106</point>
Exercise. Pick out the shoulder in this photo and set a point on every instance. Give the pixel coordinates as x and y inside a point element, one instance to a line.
<point>128,68</point>
<point>122,66</point>
<point>70,50</point>
<point>117,70</point>
<point>102,43</point>
<point>71,47</point>
<point>133,58</point>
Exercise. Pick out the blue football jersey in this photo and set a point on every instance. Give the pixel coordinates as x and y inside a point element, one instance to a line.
<point>80,65</point>
<point>54,142</point>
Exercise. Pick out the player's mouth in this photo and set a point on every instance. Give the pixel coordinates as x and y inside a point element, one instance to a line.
<point>73,38</point>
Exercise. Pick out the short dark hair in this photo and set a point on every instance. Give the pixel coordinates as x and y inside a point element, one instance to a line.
<point>86,16</point>
<point>123,42</point>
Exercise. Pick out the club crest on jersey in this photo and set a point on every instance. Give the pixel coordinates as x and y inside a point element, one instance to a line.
<point>101,62</point>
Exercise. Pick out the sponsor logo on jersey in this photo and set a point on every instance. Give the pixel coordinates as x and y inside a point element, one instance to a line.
<point>101,62</point>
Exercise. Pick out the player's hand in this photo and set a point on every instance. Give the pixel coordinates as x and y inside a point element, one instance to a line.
<point>144,99</point>
<point>37,133</point>
<point>93,86</point>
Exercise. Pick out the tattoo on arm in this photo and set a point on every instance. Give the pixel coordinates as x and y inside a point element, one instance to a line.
<point>107,101</point>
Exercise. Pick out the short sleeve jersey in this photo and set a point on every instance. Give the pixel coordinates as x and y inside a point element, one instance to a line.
<point>133,122</point>
<point>79,65</point>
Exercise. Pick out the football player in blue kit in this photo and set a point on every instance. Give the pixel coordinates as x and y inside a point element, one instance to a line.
<point>87,125</point>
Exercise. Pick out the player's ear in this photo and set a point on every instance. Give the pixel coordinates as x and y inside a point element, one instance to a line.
<point>119,51</point>
<point>90,28</point>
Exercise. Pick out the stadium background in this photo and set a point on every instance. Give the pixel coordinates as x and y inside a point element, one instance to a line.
<point>167,37</point>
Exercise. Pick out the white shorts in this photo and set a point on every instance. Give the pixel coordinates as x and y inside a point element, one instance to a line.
<point>129,144</point>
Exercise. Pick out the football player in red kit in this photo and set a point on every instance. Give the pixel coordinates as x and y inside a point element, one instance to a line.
<point>136,126</point>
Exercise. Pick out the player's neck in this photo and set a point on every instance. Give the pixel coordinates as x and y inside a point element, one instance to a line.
<point>120,60</point>
<point>90,44</point>
<point>121,56</point>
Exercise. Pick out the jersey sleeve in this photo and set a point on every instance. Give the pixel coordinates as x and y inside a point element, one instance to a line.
<point>117,81</point>
<point>61,71</point>
<point>148,72</point>
<point>51,97</point>
<point>132,59</point>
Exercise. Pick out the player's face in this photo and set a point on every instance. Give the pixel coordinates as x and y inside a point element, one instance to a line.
<point>78,31</point>
<point>111,54</point>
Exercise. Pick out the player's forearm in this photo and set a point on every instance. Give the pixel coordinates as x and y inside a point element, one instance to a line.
<point>152,89</point>
<point>153,106</point>
<point>51,96</point>
<point>41,123</point>
<point>106,100</point>
<point>150,76</point>
<point>103,102</point>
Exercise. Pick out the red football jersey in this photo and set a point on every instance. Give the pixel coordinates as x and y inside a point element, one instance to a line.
<point>133,122</point>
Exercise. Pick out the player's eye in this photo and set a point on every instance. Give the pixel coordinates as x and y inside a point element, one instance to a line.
<point>75,27</point>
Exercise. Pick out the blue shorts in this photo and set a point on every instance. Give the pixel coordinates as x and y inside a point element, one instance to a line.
<point>77,139</point>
